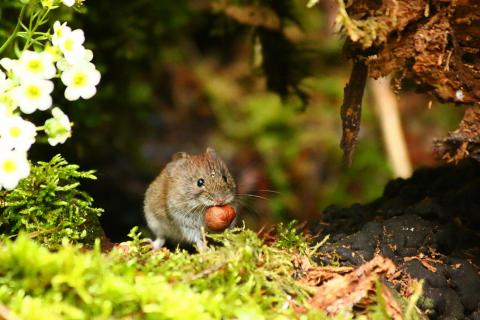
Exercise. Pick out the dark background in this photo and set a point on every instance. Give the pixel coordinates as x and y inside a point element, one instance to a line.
<point>179,76</point>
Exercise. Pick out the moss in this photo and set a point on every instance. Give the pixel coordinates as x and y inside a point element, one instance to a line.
<point>49,206</point>
<point>289,238</point>
<point>240,278</point>
<point>367,32</point>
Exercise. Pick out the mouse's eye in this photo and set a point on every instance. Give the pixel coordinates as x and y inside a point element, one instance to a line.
<point>200,182</point>
<point>224,177</point>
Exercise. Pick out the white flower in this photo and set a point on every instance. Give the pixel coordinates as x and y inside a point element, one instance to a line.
<point>4,82</point>
<point>58,128</point>
<point>17,133</point>
<point>60,30</point>
<point>62,64</point>
<point>3,76</point>
<point>14,166</point>
<point>35,64</point>
<point>33,94</point>
<point>68,3</point>
<point>4,112</point>
<point>11,67</point>
<point>71,44</point>
<point>87,55</point>
<point>8,64</point>
<point>7,104</point>
<point>80,80</point>
<point>54,52</point>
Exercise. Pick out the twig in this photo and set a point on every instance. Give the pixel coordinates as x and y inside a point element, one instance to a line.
<point>5,313</point>
<point>208,271</point>
<point>351,110</point>
<point>386,107</point>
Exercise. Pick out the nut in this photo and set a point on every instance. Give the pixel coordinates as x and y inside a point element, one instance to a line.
<point>218,218</point>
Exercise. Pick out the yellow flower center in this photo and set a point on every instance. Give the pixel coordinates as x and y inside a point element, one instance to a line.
<point>35,66</point>
<point>79,80</point>
<point>33,92</point>
<point>15,132</point>
<point>9,166</point>
<point>68,44</point>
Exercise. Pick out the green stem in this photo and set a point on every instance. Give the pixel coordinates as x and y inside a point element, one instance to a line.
<point>40,21</point>
<point>14,33</point>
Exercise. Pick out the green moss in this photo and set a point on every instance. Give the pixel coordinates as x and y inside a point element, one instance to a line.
<point>289,238</point>
<point>240,278</point>
<point>368,32</point>
<point>49,206</point>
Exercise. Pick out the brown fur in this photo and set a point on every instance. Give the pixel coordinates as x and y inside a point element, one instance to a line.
<point>175,205</point>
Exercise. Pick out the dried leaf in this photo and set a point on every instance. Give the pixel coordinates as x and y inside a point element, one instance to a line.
<point>343,292</point>
<point>425,261</point>
<point>318,275</point>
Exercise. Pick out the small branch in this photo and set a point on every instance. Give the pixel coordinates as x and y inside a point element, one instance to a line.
<point>386,107</point>
<point>351,110</point>
<point>208,271</point>
<point>32,31</point>
<point>5,313</point>
<point>15,31</point>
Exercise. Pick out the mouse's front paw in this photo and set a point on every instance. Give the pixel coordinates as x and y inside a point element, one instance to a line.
<point>201,246</point>
<point>157,244</point>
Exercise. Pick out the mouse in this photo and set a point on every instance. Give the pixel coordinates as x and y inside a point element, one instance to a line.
<point>178,198</point>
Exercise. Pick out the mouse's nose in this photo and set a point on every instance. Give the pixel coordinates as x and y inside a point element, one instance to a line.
<point>220,200</point>
<point>221,197</point>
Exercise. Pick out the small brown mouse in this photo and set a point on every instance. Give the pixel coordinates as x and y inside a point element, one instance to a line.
<point>176,201</point>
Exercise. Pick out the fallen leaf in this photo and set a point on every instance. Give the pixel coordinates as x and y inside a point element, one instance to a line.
<point>343,292</point>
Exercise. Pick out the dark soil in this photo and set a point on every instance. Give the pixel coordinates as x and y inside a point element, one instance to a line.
<point>428,225</point>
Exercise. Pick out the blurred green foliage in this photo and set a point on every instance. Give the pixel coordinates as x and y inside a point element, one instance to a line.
<point>178,76</point>
<point>299,150</point>
<point>169,65</point>
<point>49,206</point>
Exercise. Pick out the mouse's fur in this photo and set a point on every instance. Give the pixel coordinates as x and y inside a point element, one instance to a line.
<point>174,203</point>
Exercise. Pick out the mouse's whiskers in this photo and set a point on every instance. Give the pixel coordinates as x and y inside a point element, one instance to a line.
<point>251,195</point>
<point>243,204</point>
<point>269,191</point>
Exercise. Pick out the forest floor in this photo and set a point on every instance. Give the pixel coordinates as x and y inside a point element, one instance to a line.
<point>428,226</point>
<point>411,254</point>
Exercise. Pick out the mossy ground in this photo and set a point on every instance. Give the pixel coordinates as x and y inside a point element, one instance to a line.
<point>241,277</point>
<point>53,266</point>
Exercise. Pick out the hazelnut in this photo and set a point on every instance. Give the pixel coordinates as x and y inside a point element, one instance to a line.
<point>218,218</point>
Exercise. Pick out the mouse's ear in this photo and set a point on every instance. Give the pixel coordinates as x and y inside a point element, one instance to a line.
<point>211,152</point>
<point>179,155</point>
